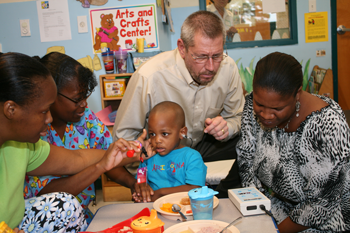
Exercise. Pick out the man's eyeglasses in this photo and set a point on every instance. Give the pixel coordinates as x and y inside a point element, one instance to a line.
<point>77,102</point>
<point>205,58</point>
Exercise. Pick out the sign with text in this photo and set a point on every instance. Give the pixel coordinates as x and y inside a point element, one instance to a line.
<point>316,27</point>
<point>123,26</point>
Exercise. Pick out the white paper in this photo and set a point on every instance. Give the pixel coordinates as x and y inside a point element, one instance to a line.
<point>218,170</point>
<point>273,6</point>
<point>54,20</point>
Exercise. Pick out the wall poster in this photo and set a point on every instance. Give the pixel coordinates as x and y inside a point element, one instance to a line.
<point>122,26</point>
<point>316,27</point>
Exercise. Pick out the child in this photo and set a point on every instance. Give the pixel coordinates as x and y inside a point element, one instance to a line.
<point>174,168</point>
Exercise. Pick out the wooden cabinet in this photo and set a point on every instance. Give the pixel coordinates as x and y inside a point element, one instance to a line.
<point>113,101</point>
<point>111,190</point>
<point>321,82</point>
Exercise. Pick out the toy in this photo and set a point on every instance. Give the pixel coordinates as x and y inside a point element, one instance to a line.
<point>120,226</point>
<point>107,33</point>
<point>4,228</point>
<point>130,153</point>
<point>145,224</point>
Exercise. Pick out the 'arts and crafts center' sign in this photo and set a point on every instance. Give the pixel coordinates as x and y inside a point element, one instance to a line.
<point>123,26</point>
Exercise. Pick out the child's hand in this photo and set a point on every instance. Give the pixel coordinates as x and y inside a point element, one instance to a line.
<point>142,192</point>
<point>146,143</point>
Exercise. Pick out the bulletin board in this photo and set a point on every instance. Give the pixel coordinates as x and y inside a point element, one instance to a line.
<point>121,26</point>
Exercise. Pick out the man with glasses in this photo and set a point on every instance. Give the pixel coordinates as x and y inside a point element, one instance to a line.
<point>203,80</point>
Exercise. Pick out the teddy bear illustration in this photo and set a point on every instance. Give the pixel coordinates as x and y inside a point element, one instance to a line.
<point>107,33</point>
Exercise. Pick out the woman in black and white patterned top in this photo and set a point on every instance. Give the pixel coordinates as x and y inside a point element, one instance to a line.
<point>295,148</point>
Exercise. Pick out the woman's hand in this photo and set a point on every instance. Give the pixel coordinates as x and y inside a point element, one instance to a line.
<point>117,152</point>
<point>16,230</point>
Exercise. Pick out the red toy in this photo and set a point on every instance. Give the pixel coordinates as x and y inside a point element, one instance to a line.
<point>127,223</point>
<point>131,153</point>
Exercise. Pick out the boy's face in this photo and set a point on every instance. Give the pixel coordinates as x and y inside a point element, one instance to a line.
<point>164,132</point>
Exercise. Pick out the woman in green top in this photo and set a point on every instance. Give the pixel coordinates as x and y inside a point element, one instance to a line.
<point>27,91</point>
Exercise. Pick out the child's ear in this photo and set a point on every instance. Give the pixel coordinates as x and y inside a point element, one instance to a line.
<point>183,131</point>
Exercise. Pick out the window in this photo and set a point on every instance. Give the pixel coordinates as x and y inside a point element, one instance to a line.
<point>255,27</point>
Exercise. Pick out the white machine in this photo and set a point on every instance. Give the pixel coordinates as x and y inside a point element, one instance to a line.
<point>249,201</point>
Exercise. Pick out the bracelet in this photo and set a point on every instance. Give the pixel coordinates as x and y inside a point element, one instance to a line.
<point>140,144</point>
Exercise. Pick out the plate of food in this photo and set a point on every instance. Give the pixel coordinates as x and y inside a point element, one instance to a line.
<point>201,226</point>
<point>163,205</point>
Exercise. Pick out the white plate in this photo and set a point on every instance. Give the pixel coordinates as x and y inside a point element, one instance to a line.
<point>175,198</point>
<point>197,225</point>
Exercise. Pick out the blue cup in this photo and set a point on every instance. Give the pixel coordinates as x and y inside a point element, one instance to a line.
<point>202,203</point>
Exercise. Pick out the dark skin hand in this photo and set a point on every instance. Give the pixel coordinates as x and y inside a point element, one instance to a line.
<point>288,226</point>
<point>16,230</point>
<point>140,192</point>
<point>78,182</point>
<point>165,191</point>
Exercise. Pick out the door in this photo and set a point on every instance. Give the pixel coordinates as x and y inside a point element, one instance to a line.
<point>343,48</point>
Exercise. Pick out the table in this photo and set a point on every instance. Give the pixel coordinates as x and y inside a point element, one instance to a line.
<point>108,216</point>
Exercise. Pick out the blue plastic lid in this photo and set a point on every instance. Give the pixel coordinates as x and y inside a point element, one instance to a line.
<point>202,192</point>
<point>110,53</point>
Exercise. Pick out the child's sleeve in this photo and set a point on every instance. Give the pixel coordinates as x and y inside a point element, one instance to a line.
<point>196,170</point>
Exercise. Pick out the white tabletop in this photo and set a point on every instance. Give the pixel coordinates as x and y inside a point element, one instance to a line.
<point>110,215</point>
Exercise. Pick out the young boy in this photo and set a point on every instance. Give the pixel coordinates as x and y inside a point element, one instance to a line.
<point>174,167</point>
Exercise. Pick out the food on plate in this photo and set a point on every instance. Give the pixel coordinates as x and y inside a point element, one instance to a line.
<point>185,201</point>
<point>167,208</point>
<point>189,212</point>
<point>189,230</point>
<point>212,229</point>
<point>125,230</point>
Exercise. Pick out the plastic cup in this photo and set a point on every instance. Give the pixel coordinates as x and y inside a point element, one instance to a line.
<point>120,60</point>
<point>108,61</point>
<point>140,45</point>
<point>202,203</point>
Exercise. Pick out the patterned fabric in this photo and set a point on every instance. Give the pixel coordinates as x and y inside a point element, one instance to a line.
<point>54,212</point>
<point>179,167</point>
<point>306,173</point>
<point>88,133</point>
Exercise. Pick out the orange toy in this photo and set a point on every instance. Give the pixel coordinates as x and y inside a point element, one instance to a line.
<point>121,226</point>
<point>145,224</point>
<point>4,228</point>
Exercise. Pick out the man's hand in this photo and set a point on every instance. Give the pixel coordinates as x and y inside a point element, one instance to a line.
<point>142,192</point>
<point>217,127</point>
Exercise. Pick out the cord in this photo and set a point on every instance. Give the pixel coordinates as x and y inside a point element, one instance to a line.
<point>262,207</point>
<point>183,135</point>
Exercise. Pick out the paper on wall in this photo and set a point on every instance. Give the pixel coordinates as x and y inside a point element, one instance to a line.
<point>54,23</point>
<point>273,6</point>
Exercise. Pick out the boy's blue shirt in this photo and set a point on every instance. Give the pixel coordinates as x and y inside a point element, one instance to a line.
<point>179,167</point>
